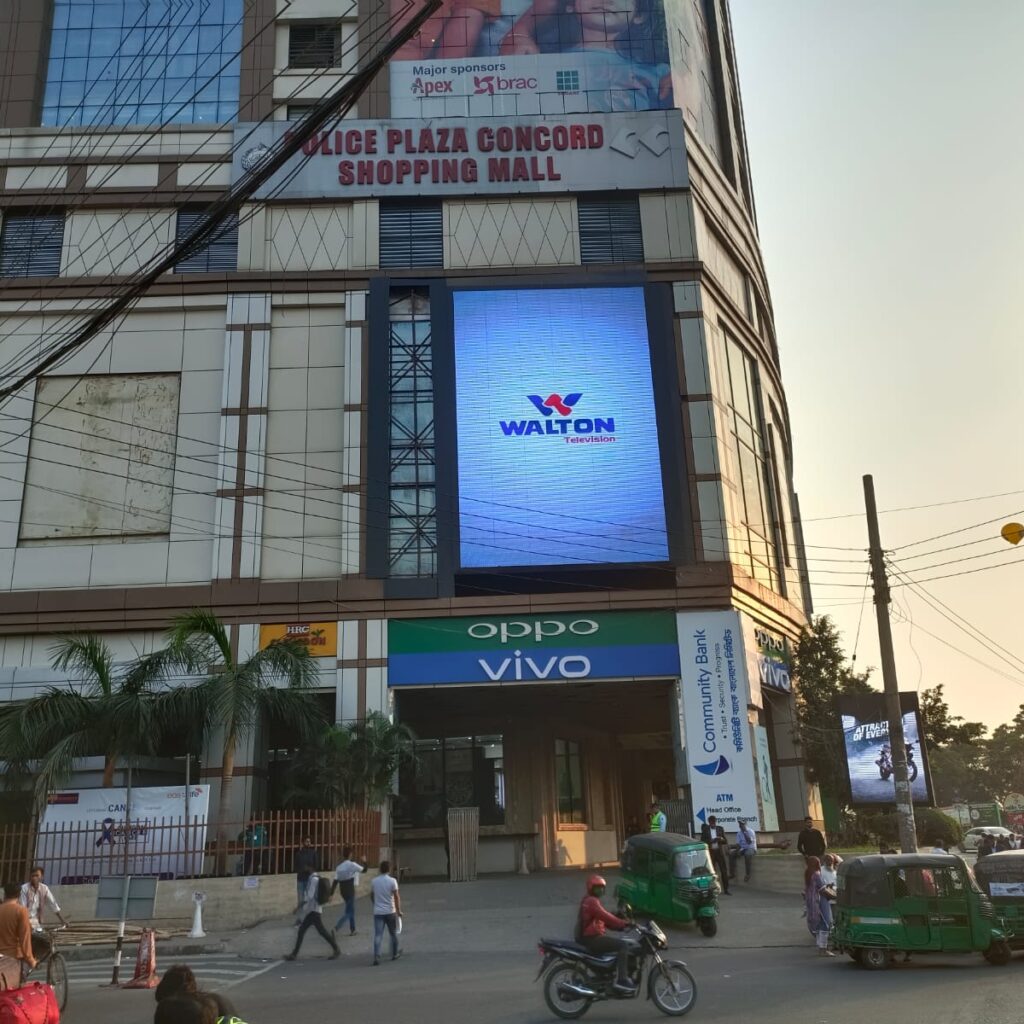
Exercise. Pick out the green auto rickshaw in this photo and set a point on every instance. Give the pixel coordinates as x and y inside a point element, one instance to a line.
<point>1001,878</point>
<point>669,876</point>
<point>913,903</point>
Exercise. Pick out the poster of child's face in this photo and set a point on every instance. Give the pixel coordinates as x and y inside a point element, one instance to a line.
<point>617,54</point>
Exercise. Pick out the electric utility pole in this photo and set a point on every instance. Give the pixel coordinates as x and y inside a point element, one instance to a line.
<point>897,744</point>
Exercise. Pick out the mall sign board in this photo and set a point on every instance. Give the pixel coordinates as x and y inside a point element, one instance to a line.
<point>479,156</point>
<point>518,649</point>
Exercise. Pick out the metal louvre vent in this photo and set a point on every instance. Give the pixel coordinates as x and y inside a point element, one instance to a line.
<point>221,254</point>
<point>411,235</point>
<point>610,229</point>
<point>30,244</point>
<point>314,46</point>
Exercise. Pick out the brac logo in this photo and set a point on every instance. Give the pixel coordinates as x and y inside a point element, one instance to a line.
<point>555,403</point>
<point>488,85</point>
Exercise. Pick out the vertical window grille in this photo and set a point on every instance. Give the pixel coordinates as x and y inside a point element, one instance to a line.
<point>610,229</point>
<point>412,497</point>
<point>411,234</point>
<point>30,244</point>
<point>219,254</point>
<point>569,776</point>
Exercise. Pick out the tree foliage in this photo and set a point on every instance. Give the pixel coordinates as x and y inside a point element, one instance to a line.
<point>957,752</point>
<point>823,675</point>
<point>351,765</point>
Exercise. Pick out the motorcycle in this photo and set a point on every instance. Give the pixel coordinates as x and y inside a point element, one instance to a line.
<point>884,762</point>
<point>575,978</point>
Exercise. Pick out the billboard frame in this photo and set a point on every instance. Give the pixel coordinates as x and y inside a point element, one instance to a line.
<point>665,372</point>
<point>908,703</point>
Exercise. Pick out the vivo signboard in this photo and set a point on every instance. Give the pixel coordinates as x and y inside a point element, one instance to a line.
<point>479,156</point>
<point>716,691</point>
<point>532,648</point>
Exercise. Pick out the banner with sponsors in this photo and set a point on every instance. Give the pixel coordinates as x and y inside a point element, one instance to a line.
<point>83,833</point>
<point>716,692</point>
<point>320,637</point>
<point>357,159</point>
<point>517,649</point>
<point>495,57</point>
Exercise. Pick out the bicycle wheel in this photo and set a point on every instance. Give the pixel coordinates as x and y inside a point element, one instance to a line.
<point>57,979</point>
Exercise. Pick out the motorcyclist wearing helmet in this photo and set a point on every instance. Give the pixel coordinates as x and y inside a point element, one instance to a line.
<point>594,921</point>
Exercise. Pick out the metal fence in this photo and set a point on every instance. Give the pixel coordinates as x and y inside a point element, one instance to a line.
<point>265,844</point>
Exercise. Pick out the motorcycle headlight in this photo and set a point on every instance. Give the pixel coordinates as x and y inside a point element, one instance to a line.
<point>657,932</point>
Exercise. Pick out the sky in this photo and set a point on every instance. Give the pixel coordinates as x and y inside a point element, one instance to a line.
<point>888,164</point>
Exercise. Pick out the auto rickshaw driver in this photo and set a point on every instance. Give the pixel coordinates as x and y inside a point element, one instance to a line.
<point>592,927</point>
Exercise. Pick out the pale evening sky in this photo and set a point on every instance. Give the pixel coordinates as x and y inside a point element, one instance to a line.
<point>888,169</point>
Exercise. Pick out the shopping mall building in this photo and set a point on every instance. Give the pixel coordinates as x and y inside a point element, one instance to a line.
<point>481,390</point>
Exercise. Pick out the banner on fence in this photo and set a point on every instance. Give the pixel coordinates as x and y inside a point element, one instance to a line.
<point>86,833</point>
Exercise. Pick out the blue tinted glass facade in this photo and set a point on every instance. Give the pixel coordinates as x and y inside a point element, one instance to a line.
<point>143,62</point>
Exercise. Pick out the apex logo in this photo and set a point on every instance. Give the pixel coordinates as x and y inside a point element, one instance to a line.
<point>563,406</point>
<point>429,88</point>
<point>563,426</point>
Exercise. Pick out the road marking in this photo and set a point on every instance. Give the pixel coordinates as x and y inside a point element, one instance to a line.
<point>253,974</point>
<point>215,972</point>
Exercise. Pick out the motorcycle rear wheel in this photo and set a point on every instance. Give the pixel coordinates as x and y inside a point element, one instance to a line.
<point>567,1009</point>
<point>912,771</point>
<point>672,988</point>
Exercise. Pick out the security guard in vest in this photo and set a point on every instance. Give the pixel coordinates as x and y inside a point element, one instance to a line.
<point>659,823</point>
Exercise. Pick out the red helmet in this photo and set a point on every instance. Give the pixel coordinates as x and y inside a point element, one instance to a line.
<point>593,882</point>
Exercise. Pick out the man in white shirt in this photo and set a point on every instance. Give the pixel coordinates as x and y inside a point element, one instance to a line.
<point>312,917</point>
<point>35,895</point>
<point>346,875</point>
<point>387,909</point>
<point>746,847</point>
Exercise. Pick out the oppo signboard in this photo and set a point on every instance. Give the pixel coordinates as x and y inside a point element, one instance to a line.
<point>521,649</point>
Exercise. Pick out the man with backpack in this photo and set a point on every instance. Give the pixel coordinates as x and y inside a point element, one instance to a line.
<point>317,893</point>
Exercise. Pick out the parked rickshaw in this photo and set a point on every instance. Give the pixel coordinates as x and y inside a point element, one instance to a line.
<point>669,876</point>
<point>1001,878</point>
<point>913,903</point>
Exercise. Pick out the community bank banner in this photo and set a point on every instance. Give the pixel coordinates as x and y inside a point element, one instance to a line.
<point>84,834</point>
<point>521,649</point>
<point>716,692</point>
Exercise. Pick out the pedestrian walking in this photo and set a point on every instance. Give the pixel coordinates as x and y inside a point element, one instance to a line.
<point>346,875</point>
<point>313,912</point>
<point>810,842</point>
<point>986,846</point>
<point>829,875</point>
<point>746,847</point>
<point>387,909</point>
<point>305,865</point>
<point>714,835</point>
<point>817,897</point>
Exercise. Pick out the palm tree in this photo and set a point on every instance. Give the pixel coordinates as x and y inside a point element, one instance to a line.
<point>117,712</point>
<point>350,766</point>
<point>236,696</point>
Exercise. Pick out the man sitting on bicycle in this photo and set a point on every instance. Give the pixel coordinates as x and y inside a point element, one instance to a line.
<point>15,933</point>
<point>35,894</point>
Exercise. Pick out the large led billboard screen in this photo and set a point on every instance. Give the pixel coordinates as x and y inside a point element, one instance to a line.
<point>558,451</point>
<point>869,752</point>
<point>533,57</point>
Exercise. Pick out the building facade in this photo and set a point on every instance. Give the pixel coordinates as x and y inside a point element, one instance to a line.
<point>480,393</point>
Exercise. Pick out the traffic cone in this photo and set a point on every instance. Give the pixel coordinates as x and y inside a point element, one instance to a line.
<point>145,962</point>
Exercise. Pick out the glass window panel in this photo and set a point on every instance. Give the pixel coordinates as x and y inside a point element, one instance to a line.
<point>80,16</point>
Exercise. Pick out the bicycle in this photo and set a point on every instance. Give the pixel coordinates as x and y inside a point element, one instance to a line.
<point>56,968</point>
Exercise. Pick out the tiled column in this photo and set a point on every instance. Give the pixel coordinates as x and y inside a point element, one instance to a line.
<point>239,511</point>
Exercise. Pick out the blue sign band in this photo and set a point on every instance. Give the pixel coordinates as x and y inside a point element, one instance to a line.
<point>552,664</point>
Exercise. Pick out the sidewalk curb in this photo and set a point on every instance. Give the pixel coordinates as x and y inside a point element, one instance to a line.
<point>165,950</point>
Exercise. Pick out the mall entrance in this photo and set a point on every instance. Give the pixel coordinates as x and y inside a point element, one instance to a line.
<point>559,771</point>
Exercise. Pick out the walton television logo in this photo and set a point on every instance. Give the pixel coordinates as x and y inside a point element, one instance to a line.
<point>581,430</point>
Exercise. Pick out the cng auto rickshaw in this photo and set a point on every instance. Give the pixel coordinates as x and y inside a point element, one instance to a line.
<point>669,876</point>
<point>1001,878</point>
<point>913,903</point>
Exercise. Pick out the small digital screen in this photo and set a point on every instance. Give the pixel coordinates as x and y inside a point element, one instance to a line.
<point>558,453</point>
<point>869,760</point>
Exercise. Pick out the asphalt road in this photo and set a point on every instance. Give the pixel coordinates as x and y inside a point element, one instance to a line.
<point>770,985</point>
